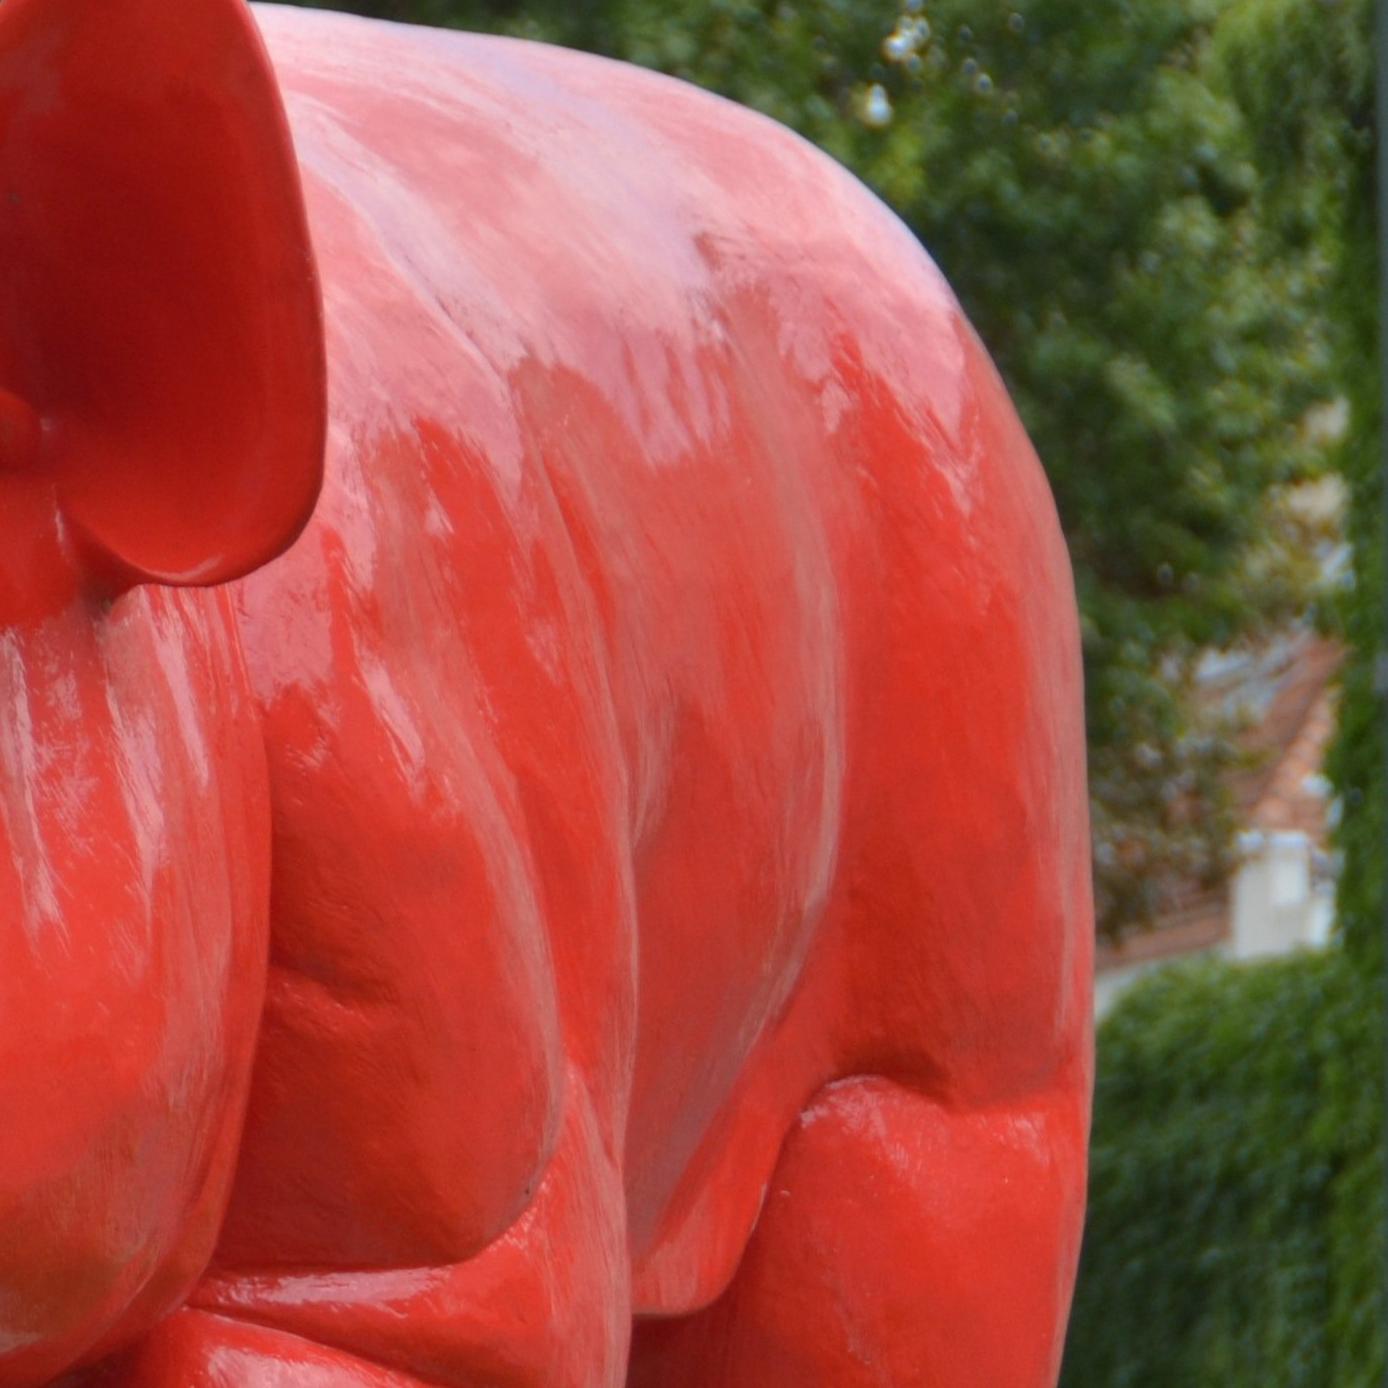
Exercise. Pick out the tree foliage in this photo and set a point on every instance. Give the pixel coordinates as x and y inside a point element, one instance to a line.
<point>1237,1197</point>
<point>1303,73</point>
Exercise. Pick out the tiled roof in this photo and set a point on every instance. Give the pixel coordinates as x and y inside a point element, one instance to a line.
<point>1287,687</point>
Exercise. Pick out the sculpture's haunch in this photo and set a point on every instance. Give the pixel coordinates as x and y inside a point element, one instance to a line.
<point>654,774</point>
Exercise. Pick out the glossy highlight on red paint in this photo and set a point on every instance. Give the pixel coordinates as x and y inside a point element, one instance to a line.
<point>542,763</point>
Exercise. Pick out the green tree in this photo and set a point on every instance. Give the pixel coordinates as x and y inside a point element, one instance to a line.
<point>1237,1196</point>
<point>1303,74</point>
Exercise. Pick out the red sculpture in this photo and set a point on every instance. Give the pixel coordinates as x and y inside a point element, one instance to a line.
<point>653,777</point>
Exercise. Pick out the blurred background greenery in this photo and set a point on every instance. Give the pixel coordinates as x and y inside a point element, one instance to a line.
<point>1159,215</point>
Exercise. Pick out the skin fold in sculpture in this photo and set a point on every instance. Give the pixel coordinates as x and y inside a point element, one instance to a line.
<point>543,831</point>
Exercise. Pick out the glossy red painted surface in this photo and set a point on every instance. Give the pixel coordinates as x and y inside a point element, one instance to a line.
<point>639,824</point>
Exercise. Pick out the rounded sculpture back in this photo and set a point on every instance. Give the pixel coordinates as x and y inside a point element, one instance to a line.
<point>638,826</point>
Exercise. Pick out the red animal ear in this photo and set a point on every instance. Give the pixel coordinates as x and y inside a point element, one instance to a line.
<point>159,304</point>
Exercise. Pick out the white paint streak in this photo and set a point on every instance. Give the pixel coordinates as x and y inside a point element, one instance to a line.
<point>21,768</point>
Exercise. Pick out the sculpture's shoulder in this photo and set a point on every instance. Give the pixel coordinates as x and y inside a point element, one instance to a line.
<point>533,93</point>
<point>543,141</point>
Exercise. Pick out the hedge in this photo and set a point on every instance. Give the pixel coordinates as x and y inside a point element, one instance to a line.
<point>1236,1196</point>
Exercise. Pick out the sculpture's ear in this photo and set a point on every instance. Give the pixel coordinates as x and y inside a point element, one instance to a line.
<point>159,305</point>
